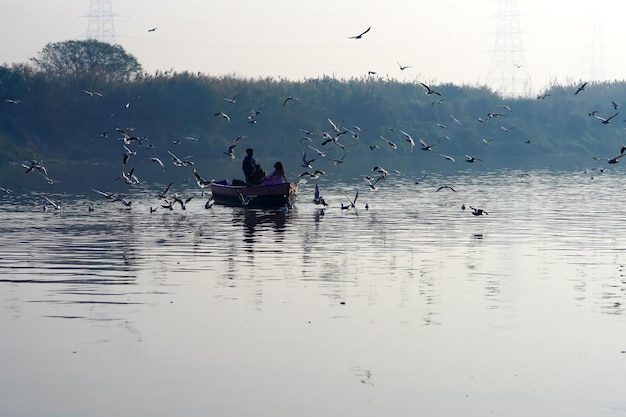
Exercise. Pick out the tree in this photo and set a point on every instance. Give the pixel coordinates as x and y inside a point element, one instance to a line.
<point>87,58</point>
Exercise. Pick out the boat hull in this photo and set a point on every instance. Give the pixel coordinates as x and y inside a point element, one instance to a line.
<point>254,196</point>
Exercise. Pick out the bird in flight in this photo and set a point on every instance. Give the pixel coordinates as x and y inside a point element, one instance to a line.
<point>430,90</point>
<point>604,121</point>
<point>581,87</point>
<point>615,159</point>
<point>289,99</point>
<point>360,35</point>
<point>403,67</point>
<point>223,115</point>
<point>424,146</point>
<point>471,159</point>
<point>152,30</point>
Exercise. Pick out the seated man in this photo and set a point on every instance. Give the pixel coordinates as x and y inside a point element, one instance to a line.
<point>257,176</point>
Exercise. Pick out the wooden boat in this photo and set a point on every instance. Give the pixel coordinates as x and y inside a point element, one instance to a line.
<point>238,194</point>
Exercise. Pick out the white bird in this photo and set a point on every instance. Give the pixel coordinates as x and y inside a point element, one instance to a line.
<point>352,202</point>
<point>223,115</point>
<point>306,163</point>
<point>607,120</point>
<point>471,159</point>
<point>314,175</point>
<point>245,200</point>
<point>425,147</point>
<point>180,162</point>
<point>390,143</point>
<point>448,157</point>
<point>408,139</point>
<point>320,153</point>
<point>232,100</point>
<point>57,206</point>
<point>202,183</point>
<point>158,161</point>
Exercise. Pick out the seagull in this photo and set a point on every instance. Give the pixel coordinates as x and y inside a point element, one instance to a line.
<point>108,196</point>
<point>232,99</point>
<point>380,170</point>
<point>615,159</point>
<point>478,211</point>
<point>92,93</point>
<point>360,35</point>
<point>615,105</point>
<point>223,115</point>
<point>289,99</point>
<point>409,139</point>
<point>448,157</point>
<point>6,190</point>
<point>352,202</point>
<point>245,200</point>
<point>402,68</point>
<point>340,160</point>
<point>471,159</point>
<point>306,163</point>
<point>34,164</point>
<point>314,175</point>
<point>57,206</point>
<point>373,182</point>
<point>424,146</point>
<point>393,145</point>
<point>152,29</point>
<point>317,198</point>
<point>163,193</point>
<point>604,121</point>
<point>158,161</point>
<point>12,101</point>
<point>320,153</point>
<point>209,203</point>
<point>202,183</point>
<point>445,187</point>
<point>581,88</point>
<point>182,202</point>
<point>127,154</point>
<point>455,120</point>
<point>180,162</point>
<point>430,90</point>
<point>543,96</point>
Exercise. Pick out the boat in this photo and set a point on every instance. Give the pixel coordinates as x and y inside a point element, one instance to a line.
<point>239,194</point>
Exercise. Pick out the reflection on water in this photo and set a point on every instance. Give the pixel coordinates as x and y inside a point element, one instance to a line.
<point>412,306</point>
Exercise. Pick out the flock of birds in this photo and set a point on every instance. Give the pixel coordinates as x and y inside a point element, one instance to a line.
<point>334,139</point>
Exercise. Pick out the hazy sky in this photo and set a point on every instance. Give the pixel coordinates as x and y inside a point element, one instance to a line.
<point>442,41</point>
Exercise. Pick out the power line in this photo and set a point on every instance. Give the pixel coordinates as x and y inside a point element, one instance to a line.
<point>508,73</point>
<point>100,21</point>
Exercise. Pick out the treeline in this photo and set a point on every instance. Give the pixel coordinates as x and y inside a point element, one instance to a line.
<point>75,120</point>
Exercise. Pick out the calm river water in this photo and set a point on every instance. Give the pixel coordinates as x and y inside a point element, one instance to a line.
<point>412,307</point>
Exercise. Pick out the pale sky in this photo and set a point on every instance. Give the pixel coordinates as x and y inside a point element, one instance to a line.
<point>442,41</point>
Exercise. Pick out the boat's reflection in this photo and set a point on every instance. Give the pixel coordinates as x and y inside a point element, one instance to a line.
<point>257,221</point>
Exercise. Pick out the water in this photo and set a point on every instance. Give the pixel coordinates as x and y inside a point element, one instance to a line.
<point>412,307</point>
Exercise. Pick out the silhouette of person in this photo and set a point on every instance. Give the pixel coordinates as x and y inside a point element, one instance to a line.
<point>248,165</point>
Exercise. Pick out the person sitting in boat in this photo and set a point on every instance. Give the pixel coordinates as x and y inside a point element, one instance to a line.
<point>258,176</point>
<point>277,176</point>
<point>248,165</point>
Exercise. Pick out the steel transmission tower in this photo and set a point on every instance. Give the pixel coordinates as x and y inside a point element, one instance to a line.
<point>596,63</point>
<point>100,21</point>
<point>508,73</point>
